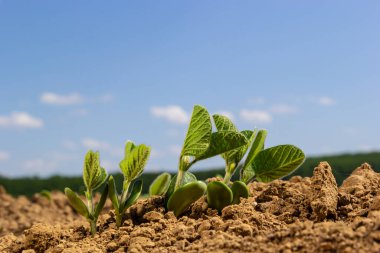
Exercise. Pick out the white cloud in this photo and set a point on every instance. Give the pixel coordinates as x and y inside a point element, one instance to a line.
<point>91,143</point>
<point>4,156</point>
<point>256,101</point>
<point>227,114</point>
<point>283,109</point>
<point>57,99</point>
<point>256,116</point>
<point>172,113</point>
<point>325,101</point>
<point>39,166</point>
<point>20,120</point>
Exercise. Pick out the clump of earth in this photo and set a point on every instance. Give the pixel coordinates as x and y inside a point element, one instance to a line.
<point>300,215</point>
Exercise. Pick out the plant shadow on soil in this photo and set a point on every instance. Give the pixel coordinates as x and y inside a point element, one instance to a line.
<point>309,214</point>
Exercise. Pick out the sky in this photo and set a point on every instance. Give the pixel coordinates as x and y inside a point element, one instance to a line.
<point>80,75</point>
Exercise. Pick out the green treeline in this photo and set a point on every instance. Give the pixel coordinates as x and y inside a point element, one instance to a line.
<point>342,166</point>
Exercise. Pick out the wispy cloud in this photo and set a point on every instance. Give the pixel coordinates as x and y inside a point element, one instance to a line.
<point>59,99</point>
<point>171,113</point>
<point>256,101</point>
<point>90,143</point>
<point>4,155</point>
<point>325,101</point>
<point>20,120</point>
<point>256,116</point>
<point>283,109</point>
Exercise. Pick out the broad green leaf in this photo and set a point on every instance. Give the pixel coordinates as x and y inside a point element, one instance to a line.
<point>223,141</point>
<point>257,146</point>
<point>239,190</point>
<point>101,179</point>
<point>235,156</point>
<point>92,172</point>
<point>199,133</point>
<point>184,196</point>
<point>112,193</point>
<point>223,123</point>
<point>134,164</point>
<point>76,203</point>
<point>134,195</point>
<point>219,195</point>
<point>188,177</point>
<point>160,185</point>
<point>102,201</point>
<point>276,162</point>
<point>129,146</point>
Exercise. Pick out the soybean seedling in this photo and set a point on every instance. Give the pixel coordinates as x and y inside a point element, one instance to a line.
<point>93,177</point>
<point>135,159</point>
<point>200,143</point>
<point>260,164</point>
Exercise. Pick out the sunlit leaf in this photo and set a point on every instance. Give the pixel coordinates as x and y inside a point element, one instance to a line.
<point>76,203</point>
<point>219,195</point>
<point>276,162</point>
<point>134,164</point>
<point>160,185</point>
<point>199,133</point>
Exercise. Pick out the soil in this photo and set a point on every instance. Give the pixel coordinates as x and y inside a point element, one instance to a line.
<point>300,215</point>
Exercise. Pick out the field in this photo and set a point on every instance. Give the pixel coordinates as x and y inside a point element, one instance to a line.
<point>302,214</point>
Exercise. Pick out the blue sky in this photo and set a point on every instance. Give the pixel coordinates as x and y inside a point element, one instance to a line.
<point>76,75</point>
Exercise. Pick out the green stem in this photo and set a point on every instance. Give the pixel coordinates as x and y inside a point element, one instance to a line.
<point>119,219</point>
<point>178,182</point>
<point>125,192</point>
<point>230,169</point>
<point>93,227</point>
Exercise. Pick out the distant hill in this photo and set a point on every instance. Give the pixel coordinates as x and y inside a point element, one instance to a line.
<point>342,166</point>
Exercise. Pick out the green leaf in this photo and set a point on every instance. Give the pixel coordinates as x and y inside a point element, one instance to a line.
<point>199,133</point>
<point>160,185</point>
<point>257,146</point>
<point>76,203</point>
<point>184,196</point>
<point>223,141</point>
<point>223,123</point>
<point>101,179</point>
<point>102,201</point>
<point>129,146</point>
<point>219,195</point>
<point>188,177</point>
<point>276,162</point>
<point>239,190</point>
<point>112,193</point>
<point>93,175</point>
<point>235,156</point>
<point>134,164</point>
<point>134,195</point>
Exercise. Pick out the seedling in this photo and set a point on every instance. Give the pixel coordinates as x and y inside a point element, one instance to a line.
<point>46,194</point>
<point>160,185</point>
<point>261,164</point>
<point>200,143</point>
<point>94,177</point>
<point>135,159</point>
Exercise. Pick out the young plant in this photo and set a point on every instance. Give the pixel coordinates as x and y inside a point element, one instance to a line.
<point>135,159</point>
<point>261,164</point>
<point>93,177</point>
<point>200,143</point>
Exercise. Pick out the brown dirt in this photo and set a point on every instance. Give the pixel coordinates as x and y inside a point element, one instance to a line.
<point>299,215</point>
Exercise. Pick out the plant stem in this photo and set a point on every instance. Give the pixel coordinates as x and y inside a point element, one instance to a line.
<point>178,182</point>
<point>125,193</point>
<point>93,227</point>
<point>230,168</point>
<point>119,219</point>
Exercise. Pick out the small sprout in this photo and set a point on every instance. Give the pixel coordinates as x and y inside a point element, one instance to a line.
<point>94,177</point>
<point>46,194</point>
<point>160,185</point>
<point>261,164</point>
<point>135,159</point>
<point>200,143</point>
